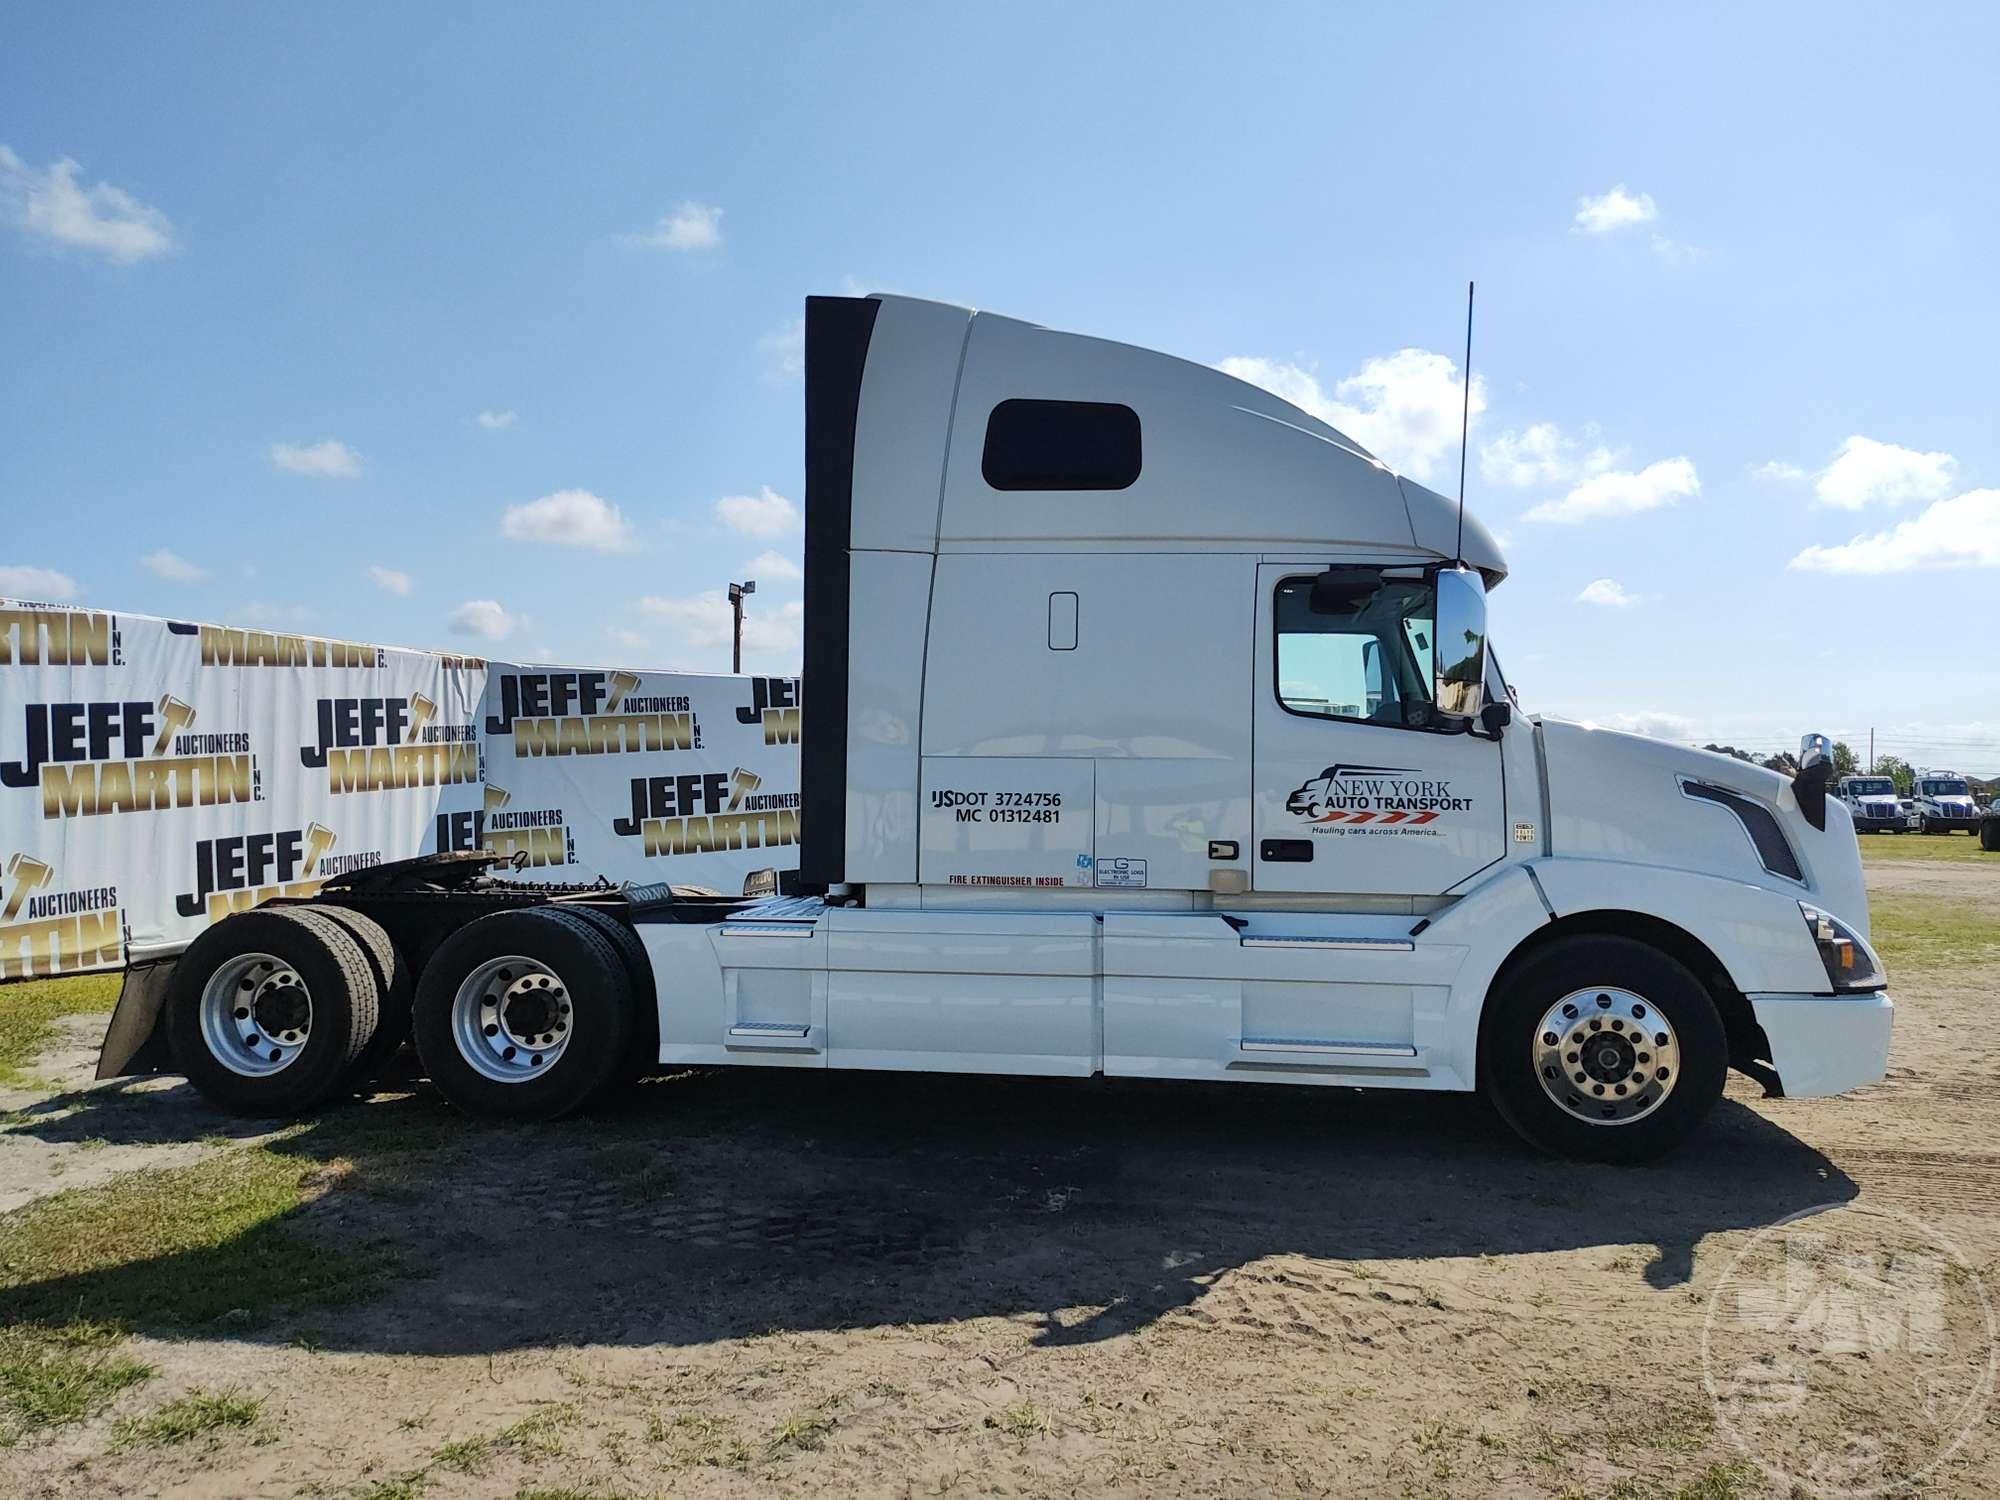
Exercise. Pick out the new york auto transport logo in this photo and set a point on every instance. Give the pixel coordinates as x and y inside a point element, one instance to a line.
<point>1379,796</point>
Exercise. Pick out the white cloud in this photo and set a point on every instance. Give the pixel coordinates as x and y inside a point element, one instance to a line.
<point>483,617</point>
<point>390,581</point>
<point>784,352</point>
<point>1654,724</point>
<point>569,518</point>
<point>1542,454</point>
<point>1778,470</point>
<point>1403,407</point>
<point>273,614</point>
<point>1865,472</point>
<point>631,640</point>
<point>690,228</point>
<point>103,220</point>
<point>327,459</point>
<point>705,620</point>
<point>23,581</point>
<point>768,565</point>
<point>172,567</point>
<point>1619,493</point>
<point>1608,592</point>
<point>495,421</point>
<point>764,514</point>
<point>1618,209</point>
<point>1962,532</point>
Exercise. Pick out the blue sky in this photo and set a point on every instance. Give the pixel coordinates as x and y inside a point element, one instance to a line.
<point>470,327</point>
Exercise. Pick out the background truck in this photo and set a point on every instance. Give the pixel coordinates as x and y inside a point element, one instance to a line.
<point>1872,803</point>
<point>1944,802</point>
<point>1153,733</point>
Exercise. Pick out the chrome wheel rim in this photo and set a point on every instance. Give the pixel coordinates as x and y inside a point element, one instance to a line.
<point>511,1019</point>
<point>256,1015</point>
<point>1606,1056</point>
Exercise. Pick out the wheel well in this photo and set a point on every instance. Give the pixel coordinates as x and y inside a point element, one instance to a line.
<point>1748,1046</point>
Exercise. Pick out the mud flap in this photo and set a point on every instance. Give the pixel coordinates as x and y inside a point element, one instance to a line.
<point>134,1043</point>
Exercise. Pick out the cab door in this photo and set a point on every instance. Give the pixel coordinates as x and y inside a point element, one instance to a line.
<point>1359,786</point>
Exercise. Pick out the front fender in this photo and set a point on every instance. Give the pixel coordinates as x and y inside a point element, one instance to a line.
<point>1756,933</point>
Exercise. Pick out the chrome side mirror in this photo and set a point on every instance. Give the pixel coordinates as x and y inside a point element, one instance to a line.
<point>1459,660</point>
<point>1815,771</point>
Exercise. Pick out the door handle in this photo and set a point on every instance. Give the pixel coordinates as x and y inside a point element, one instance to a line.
<point>1286,851</point>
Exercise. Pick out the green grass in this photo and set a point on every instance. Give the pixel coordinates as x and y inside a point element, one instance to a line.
<point>802,1432</point>
<point>187,1248</point>
<point>197,1414</point>
<point>1914,931</point>
<point>48,1379</point>
<point>29,1009</point>
<point>1892,848</point>
<point>466,1455</point>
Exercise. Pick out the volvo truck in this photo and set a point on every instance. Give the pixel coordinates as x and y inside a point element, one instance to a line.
<point>1153,732</point>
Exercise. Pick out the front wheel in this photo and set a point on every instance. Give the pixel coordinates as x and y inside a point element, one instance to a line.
<point>1603,1048</point>
<point>523,1015</point>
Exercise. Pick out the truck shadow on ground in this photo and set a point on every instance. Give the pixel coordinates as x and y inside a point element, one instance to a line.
<point>725,1204</point>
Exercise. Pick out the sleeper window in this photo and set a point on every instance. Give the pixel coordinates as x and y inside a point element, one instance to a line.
<point>1061,445</point>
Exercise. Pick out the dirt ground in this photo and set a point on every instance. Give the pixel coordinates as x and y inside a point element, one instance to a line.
<point>890,1284</point>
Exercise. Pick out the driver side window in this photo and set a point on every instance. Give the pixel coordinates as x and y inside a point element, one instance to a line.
<point>1353,644</point>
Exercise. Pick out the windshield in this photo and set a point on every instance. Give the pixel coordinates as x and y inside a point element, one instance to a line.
<point>1940,787</point>
<point>1873,786</point>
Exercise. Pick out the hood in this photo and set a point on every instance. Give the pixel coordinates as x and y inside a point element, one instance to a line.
<point>1623,796</point>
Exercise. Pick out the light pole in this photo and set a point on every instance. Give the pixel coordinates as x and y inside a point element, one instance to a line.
<point>736,593</point>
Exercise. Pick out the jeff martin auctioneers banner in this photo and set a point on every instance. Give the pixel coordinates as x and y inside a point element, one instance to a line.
<point>156,775</point>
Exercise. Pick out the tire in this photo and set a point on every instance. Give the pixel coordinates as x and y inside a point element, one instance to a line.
<point>1605,982</point>
<point>257,952</point>
<point>559,1025</point>
<point>394,987</point>
<point>1989,835</point>
<point>644,1056</point>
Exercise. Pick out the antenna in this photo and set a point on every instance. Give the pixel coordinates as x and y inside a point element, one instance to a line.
<point>1464,426</point>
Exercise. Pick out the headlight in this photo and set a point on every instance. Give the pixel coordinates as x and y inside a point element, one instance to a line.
<point>1849,964</point>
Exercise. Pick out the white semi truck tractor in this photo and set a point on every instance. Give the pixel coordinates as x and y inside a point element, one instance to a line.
<point>1153,732</point>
